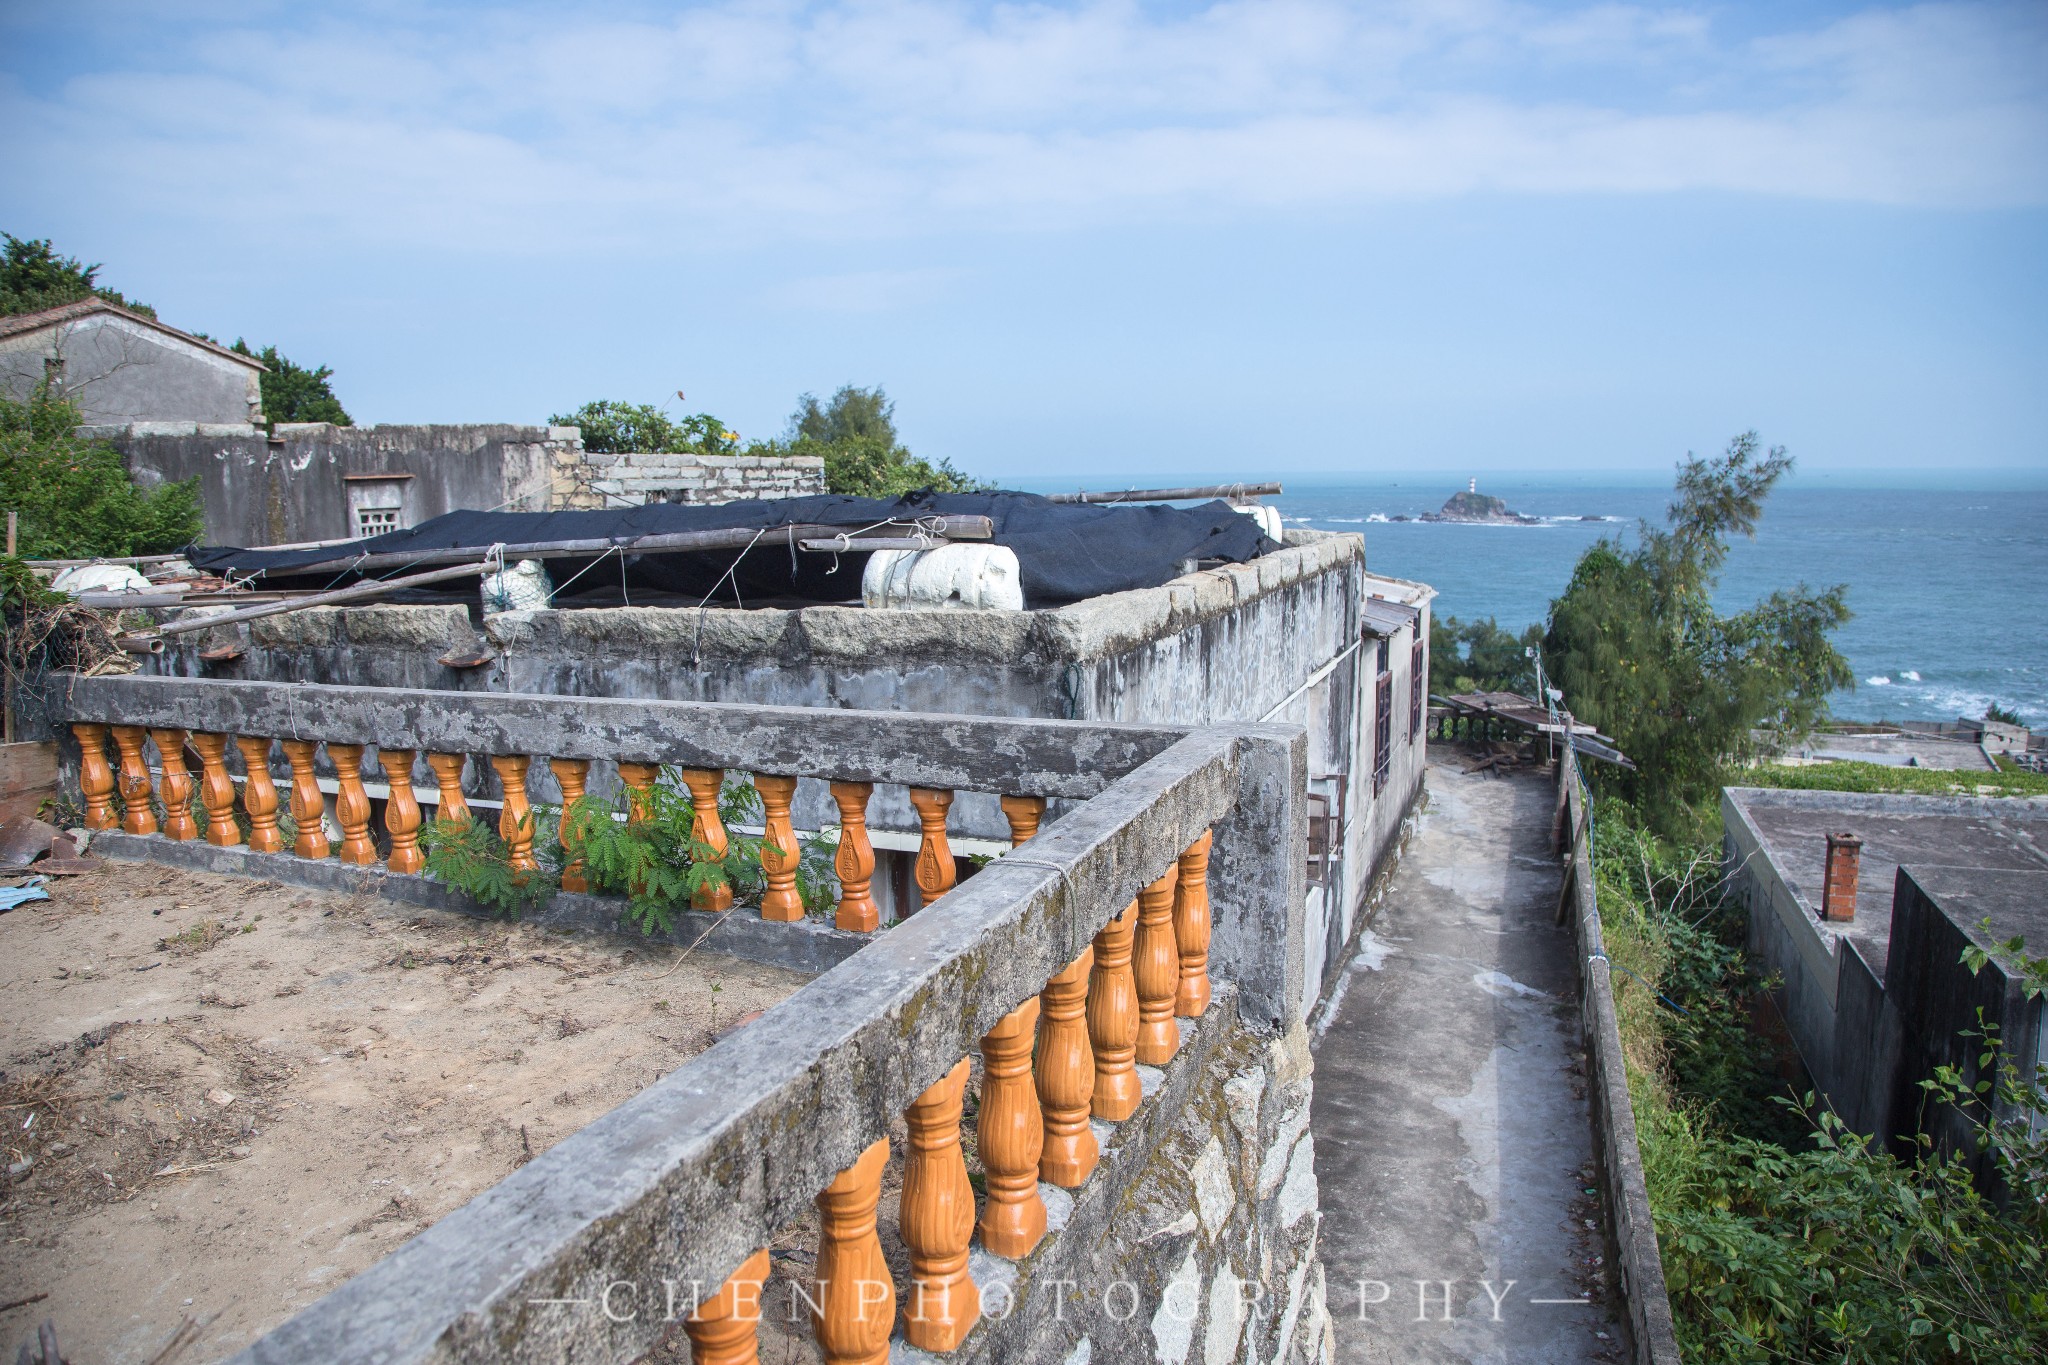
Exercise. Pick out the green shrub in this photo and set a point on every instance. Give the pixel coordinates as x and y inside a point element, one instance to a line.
<point>469,856</point>
<point>75,497</point>
<point>1784,1236</point>
<point>657,861</point>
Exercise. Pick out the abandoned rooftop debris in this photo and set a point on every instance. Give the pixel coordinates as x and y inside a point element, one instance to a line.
<point>1065,552</point>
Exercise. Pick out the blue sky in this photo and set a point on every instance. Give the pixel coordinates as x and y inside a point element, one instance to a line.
<point>1097,241</point>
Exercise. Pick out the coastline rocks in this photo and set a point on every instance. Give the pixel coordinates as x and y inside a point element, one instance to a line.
<point>1481,508</point>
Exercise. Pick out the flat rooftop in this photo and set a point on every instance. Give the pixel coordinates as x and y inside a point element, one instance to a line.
<point>1905,751</point>
<point>1981,858</point>
<point>232,1095</point>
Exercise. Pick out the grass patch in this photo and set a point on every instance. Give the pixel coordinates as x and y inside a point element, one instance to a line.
<point>1846,776</point>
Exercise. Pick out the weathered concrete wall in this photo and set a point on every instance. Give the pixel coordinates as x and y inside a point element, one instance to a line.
<point>628,479</point>
<point>293,485</point>
<point>118,369</point>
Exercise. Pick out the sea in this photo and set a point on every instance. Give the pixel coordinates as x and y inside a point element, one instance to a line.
<point>1949,586</point>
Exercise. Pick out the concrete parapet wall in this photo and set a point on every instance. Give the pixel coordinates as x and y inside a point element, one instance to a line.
<point>684,1180</point>
<point>1639,1265</point>
<point>1222,645</point>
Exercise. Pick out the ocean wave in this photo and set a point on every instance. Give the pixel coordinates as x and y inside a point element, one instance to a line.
<point>1879,681</point>
<point>1910,676</point>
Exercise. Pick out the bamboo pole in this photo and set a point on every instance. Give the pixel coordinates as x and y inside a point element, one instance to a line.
<point>1220,490</point>
<point>358,593</point>
<point>728,538</point>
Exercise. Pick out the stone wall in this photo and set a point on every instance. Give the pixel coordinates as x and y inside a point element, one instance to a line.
<point>585,479</point>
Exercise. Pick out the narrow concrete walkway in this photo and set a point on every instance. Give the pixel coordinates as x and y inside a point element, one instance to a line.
<point>1454,1146</point>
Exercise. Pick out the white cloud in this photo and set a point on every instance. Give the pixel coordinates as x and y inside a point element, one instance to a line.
<point>523,131</point>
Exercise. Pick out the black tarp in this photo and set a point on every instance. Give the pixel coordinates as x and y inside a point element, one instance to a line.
<point>1066,552</point>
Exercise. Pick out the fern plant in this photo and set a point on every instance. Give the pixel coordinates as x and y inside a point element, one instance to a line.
<point>645,846</point>
<point>469,856</point>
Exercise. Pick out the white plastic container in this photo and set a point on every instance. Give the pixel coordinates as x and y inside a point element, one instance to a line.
<point>952,577</point>
<point>84,578</point>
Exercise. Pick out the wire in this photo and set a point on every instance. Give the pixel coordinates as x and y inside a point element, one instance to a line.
<point>1616,966</point>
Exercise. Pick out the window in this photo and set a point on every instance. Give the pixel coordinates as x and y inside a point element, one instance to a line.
<point>1418,678</point>
<point>377,503</point>
<point>1383,723</point>
<point>375,521</point>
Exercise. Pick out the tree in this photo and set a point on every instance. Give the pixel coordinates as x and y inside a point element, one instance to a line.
<point>293,393</point>
<point>1478,656</point>
<point>34,277</point>
<point>855,434</point>
<point>75,497</point>
<point>1639,651</point>
<point>615,427</point>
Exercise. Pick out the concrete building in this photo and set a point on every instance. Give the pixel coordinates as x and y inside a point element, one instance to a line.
<point>119,366</point>
<point>305,481</point>
<point>1303,635</point>
<point>1862,905</point>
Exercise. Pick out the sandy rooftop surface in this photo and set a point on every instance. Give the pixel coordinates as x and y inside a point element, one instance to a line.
<point>233,1096</point>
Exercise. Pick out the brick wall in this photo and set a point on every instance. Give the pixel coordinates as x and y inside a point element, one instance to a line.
<point>592,479</point>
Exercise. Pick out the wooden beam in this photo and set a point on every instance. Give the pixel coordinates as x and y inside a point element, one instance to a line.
<point>360,592</point>
<point>1221,490</point>
<point>728,538</point>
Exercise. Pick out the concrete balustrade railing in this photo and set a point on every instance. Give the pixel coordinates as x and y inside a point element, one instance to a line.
<point>1066,964</point>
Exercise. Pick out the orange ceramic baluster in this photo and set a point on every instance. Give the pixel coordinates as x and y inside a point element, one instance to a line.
<point>779,851</point>
<point>1155,969</point>
<point>309,807</point>
<point>216,789</point>
<point>1011,1134</point>
<point>1023,813</point>
<point>95,778</point>
<point>935,869</point>
<point>570,775</point>
<point>704,784</point>
<point>176,788</point>
<point>725,1329</point>
<point>639,780</point>
<point>137,817</point>
<point>937,1219</point>
<point>352,804</point>
<point>856,1298</point>
<point>1113,1020</point>
<point>854,863</point>
<point>401,811</point>
<point>515,816</point>
<point>259,795</point>
<point>1191,929</point>
<point>1066,1076</point>
<point>453,807</point>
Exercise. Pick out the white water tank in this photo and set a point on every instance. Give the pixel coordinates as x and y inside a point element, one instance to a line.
<point>949,577</point>
<point>1268,519</point>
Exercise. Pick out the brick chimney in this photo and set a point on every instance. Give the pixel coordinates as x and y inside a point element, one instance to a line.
<point>1838,892</point>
